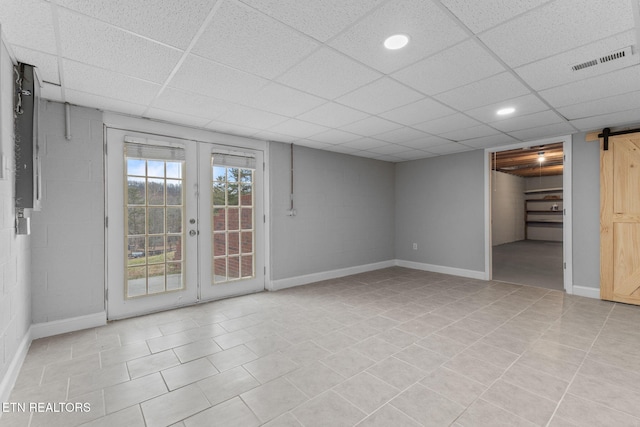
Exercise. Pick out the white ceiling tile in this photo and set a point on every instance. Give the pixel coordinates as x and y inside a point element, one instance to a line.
<point>447,124</point>
<point>380,96</point>
<point>615,83</point>
<point>174,117</point>
<point>556,27</point>
<point>368,154</point>
<point>608,120</point>
<point>479,16</point>
<point>328,74</point>
<point>364,144</point>
<point>612,104</point>
<point>342,149</point>
<point>457,66</point>
<point>312,144</point>
<point>490,141</point>
<point>243,38</point>
<point>418,112</point>
<point>332,115</point>
<point>401,135</point>
<point>170,22</point>
<point>100,102</point>
<point>108,84</point>
<point>284,100</point>
<point>335,136</point>
<point>385,157</point>
<point>231,129</point>
<point>29,23</point>
<point>450,148</point>
<point>273,136</point>
<point>557,129</point>
<point>256,119</point>
<point>191,104</point>
<point>119,50</point>
<point>46,64</point>
<point>51,92</point>
<point>540,119</point>
<point>371,126</point>
<point>556,70</point>
<point>415,155</point>
<point>426,142</point>
<point>298,128</point>
<point>201,76</point>
<point>488,91</point>
<point>524,105</point>
<point>319,19</point>
<point>392,149</point>
<point>429,28</point>
<point>470,133</point>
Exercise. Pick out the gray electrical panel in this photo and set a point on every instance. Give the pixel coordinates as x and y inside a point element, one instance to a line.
<point>27,156</point>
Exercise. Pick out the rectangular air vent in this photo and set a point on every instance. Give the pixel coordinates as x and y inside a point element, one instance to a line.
<point>585,65</point>
<point>618,54</point>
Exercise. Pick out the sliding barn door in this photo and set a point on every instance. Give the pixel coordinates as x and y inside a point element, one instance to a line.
<point>620,219</point>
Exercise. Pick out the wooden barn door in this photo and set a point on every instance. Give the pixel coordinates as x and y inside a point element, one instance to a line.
<point>620,219</point>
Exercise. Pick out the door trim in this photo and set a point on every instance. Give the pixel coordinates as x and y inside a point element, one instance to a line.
<point>161,129</point>
<point>567,235</point>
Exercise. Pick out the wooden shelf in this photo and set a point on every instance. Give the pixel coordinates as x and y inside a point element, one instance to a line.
<point>546,218</point>
<point>544,190</point>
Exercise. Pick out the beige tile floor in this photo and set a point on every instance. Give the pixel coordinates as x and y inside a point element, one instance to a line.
<point>394,347</point>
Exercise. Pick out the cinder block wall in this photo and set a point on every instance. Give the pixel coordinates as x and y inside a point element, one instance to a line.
<point>68,234</point>
<point>15,252</point>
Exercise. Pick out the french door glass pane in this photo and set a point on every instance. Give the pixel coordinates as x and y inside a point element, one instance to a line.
<point>154,226</point>
<point>233,223</point>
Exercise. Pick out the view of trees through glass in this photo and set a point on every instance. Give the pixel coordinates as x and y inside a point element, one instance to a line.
<point>155,230</point>
<point>233,223</point>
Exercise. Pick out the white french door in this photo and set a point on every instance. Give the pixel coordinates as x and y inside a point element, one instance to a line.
<point>182,222</point>
<point>234,227</point>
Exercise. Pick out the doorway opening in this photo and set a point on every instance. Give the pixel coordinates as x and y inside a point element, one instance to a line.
<point>528,204</point>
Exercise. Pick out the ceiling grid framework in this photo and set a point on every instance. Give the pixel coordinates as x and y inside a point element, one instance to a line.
<point>315,72</point>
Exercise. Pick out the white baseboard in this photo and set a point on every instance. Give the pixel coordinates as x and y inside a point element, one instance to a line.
<point>327,275</point>
<point>472,274</point>
<point>585,291</point>
<point>9,380</point>
<point>56,327</point>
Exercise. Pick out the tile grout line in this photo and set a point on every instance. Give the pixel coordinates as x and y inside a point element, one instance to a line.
<point>510,366</point>
<point>555,411</point>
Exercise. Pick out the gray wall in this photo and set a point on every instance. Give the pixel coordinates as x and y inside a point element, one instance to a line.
<point>585,182</point>
<point>538,182</point>
<point>345,211</point>
<point>15,251</point>
<point>440,206</point>
<point>507,208</point>
<point>68,234</point>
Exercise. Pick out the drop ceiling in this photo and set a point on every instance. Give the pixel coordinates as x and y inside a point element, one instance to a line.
<point>315,72</point>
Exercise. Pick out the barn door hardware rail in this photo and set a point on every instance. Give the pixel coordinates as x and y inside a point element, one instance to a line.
<point>606,133</point>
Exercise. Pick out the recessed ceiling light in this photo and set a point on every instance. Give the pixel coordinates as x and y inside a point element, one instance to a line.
<point>505,111</point>
<point>397,41</point>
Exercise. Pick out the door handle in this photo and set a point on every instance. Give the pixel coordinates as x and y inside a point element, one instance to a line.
<point>192,232</point>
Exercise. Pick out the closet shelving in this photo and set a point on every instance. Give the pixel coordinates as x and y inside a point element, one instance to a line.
<point>543,208</point>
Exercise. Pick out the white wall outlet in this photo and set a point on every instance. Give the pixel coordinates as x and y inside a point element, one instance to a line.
<point>415,246</point>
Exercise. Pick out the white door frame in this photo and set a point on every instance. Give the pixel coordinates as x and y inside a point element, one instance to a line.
<point>567,239</point>
<point>150,127</point>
